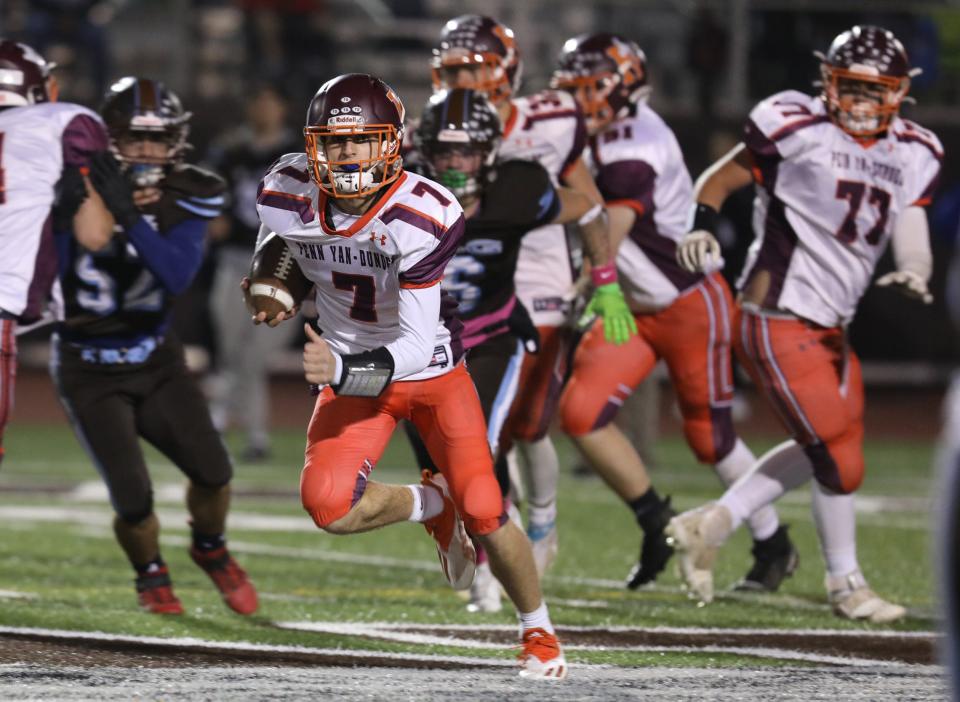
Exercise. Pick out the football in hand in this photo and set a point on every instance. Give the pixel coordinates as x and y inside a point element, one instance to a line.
<point>276,282</point>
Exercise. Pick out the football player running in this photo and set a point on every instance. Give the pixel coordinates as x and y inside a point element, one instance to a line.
<point>838,175</point>
<point>478,52</point>
<point>376,240</point>
<point>457,141</point>
<point>683,317</point>
<point>119,370</point>
<point>43,146</point>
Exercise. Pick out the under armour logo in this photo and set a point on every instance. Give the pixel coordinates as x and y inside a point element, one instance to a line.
<point>383,238</point>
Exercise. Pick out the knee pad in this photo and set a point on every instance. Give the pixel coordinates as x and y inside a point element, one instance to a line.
<point>837,465</point>
<point>578,417</point>
<point>133,512</point>
<point>327,498</point>
<point>482,508</point>
<point>710,435</point>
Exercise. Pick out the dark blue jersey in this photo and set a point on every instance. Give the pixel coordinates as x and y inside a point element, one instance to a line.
<point>123,293</point>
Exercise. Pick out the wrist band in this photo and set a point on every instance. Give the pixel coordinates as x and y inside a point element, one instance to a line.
<point>590,215</point>
<point>603,275</point>
<point>705,217</point>
<point>280,295</point>
<point>365,374</point>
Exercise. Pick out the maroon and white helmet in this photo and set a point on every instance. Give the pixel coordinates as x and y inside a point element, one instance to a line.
<point>24,76</point>
<point>605,73</point>
<point>347,106</point>
<point>486,46</point>
<point>866,75</point>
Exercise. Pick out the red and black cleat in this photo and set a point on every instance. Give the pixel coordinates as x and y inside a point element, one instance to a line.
<point>231,580</point>
<point>155,593</point>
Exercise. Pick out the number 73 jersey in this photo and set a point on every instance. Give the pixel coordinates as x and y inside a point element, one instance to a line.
<point>360,264</point>
<point>826,204</point>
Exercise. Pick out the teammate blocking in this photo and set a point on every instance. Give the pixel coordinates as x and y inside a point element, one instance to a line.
<point>376,240</point>
<point>683,317</point>
<point>838,175</point>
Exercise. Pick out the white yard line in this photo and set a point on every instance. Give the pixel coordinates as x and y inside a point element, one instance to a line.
<point>249,646</point>
<point>400,633</point>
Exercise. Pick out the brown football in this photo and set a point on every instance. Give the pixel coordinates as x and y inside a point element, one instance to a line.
<point>276,282</point>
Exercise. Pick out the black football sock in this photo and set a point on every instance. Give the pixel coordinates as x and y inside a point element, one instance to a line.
<point>646,508</point>
<point>151,567</point>
<point>208,542</point>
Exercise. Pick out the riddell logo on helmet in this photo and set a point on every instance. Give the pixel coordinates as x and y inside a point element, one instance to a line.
<point>341,120</point>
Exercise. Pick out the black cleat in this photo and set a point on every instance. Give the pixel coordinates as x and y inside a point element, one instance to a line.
<point>774,559</point>
<point>655,552</point>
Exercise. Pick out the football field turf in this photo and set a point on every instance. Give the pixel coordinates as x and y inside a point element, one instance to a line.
<point>383,593</point>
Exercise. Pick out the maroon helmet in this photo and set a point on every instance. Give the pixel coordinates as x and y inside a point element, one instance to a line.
<point>481,43</point>
<point>24,76</point>
<point>606,73</point>
<point>866,75</point>
<point>347,106</point>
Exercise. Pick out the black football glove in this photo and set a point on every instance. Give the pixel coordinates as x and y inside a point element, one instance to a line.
<point>521,326</point>
<point>114,188</point>
<point>69,194</point>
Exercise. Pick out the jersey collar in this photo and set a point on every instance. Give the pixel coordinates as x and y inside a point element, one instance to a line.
<point>364,218</point>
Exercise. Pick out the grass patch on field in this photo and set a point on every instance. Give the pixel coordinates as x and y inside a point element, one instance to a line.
<point>79,579</point>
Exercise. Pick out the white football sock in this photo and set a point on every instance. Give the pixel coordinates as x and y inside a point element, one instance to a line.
<point>427,503</point>
<point>541,467</point>
<point>764,522</point>
<point>537,619</point>
<point>836,521</point>
<point>776,472</point>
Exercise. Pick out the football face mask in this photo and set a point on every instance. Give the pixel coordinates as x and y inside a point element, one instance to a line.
<point>458,168</point>
<point>353,162</point>
<point>863,105</point>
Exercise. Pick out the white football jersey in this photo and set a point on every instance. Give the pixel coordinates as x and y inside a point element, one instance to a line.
<point>360,263</point>
<point>548,128</point>
<point>637,163</point>
<point>826,204</point>
<point>36,141</point>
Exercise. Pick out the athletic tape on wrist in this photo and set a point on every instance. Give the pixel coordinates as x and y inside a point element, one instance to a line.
<point>278,294</point>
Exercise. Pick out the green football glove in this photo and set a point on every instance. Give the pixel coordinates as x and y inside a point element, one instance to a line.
<point>609,304</point>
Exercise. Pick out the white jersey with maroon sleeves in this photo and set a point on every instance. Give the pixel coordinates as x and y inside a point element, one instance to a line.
<point>360,264</point>
<point>547,128</point>
<point>826,204</point>
<point>36,142</point>
<point>637,163</point>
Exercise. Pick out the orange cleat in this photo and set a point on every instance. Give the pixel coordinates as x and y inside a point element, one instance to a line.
<point>541,656</point>
<point>458,557</point>
<point>155,593</point>
<point>231,580</point>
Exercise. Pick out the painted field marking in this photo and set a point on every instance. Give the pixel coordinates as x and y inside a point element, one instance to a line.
<point>248,646</point>
<point>401,633</point>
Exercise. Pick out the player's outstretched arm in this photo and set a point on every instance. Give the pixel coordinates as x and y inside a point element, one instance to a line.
<point>912,256</point>
<point>699,249</point>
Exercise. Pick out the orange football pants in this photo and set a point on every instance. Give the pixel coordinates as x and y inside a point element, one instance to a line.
<point>692,336</point>
<point>538,389</point>
<point>811,377</point>
<point>347,436</point>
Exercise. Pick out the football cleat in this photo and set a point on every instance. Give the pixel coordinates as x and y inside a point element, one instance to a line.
<point>458,557</point>
<point>852,598</point>
<point>543,540</point>
<point>155,593</point>
<point>541,657</point>
<point>231,580</point>
<point>484,591</point>
<point>697,536</point>
<point>774,559</point>
<point>655,551</point>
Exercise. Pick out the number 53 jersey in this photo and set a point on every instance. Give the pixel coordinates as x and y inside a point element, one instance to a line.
<point>360,264</point>
<point>826,204</point>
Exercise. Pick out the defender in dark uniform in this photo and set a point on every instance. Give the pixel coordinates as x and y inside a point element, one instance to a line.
<point>119,370</point>
<point>457,139</point>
